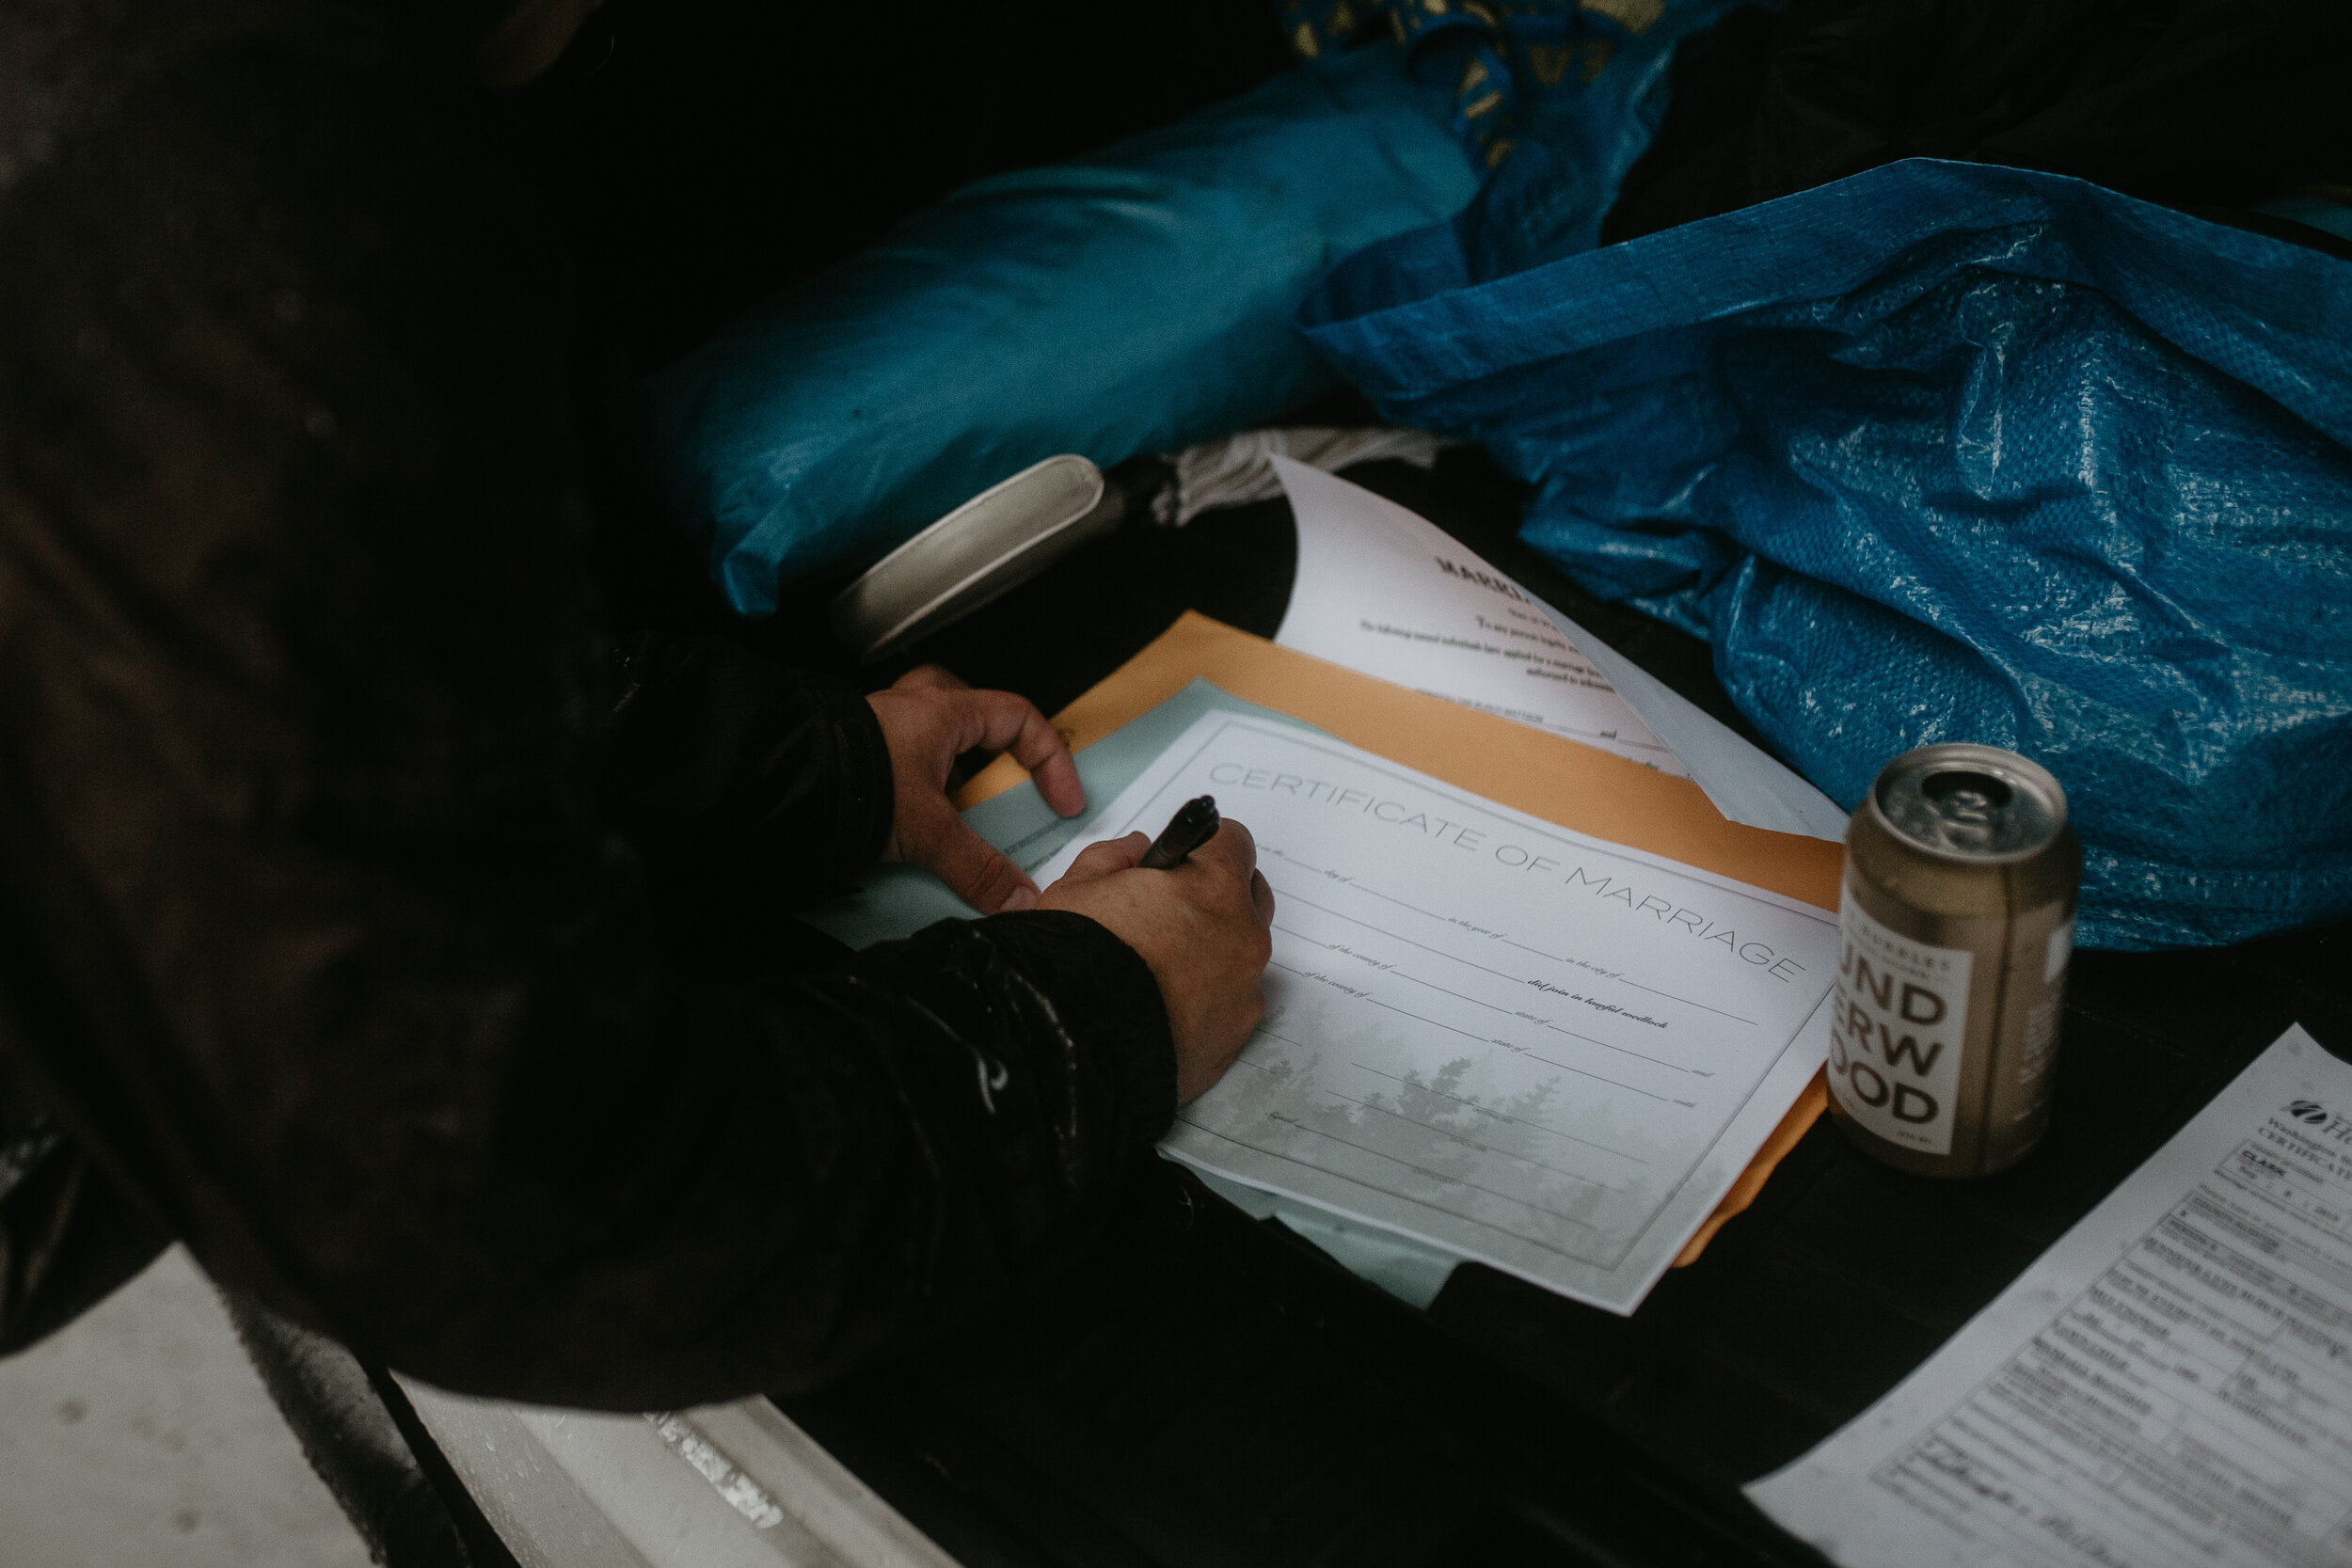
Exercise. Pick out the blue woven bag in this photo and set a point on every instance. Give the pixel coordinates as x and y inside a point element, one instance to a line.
<point>1947,452</point>
<point>1132,300</point>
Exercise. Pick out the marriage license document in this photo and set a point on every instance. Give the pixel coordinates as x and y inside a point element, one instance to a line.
<point>1526,1046</point>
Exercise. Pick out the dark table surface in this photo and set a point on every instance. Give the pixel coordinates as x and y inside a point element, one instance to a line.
<point>1211,1389</point>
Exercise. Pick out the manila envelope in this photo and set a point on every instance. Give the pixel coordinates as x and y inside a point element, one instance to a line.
<point>1545,775</point>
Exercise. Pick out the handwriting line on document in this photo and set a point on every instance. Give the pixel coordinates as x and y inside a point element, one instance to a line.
<point>1424,1089</point>
<point>1488,1110</point>
<point>1623,981</point>
<point>2085,1328</point>
<point>1490,1006</point>
<point>1520,1049</point>
<point>1617,975</point>
<point>2290,1464</point>
<point>1693,1071</point>
<point>1662,1098</point>
<point>2011,1390</point>
<point>1391,969</point>
<point>1468,963</point>
<point>1473,1143</point>
<point>1756,1086</point>
<point>1299,1126</point>
<point>1438,1176</point>
<point>1454,957</point>
<point>1518,1238</point>
<point>1557,726</point>
<point>1362,995</point>
<point>2148,1281</point>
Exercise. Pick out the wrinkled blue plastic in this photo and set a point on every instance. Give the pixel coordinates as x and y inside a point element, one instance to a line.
<point>1952,452</point>
<point>1134,300</point>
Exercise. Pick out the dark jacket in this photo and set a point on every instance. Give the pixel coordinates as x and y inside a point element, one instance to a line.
<point>343,932</point>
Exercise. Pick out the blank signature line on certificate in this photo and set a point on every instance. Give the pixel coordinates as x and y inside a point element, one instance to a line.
<point>1471,1104</point>
<point>1516,1237</point>
<point>1695,1073</point>
<point>1362,995</point>
<point>1571,963</point>
<point>1662,1098</point>
<point>1490,1006</point>
<point>1297,1125</point>
<point>1486,1148</point>
<point>1468,963</point>
<point>1635,984</point>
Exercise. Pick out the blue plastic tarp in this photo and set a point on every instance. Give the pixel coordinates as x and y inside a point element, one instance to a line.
<point>1134,300</point>
<point>1948,452</point>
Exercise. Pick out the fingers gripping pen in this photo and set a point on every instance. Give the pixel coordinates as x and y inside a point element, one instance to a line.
<point>1195,823</point>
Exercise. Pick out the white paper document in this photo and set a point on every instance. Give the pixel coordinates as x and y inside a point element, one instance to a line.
<point>1387,593</point>
<point>1529,1047</point>
<point>1743,783</point>
<point>2170,1384</point>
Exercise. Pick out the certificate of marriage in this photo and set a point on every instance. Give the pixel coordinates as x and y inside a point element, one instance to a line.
<point>1532,1048</point>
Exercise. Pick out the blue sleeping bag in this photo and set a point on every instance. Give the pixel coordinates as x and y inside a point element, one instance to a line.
<point>1134,300</point>
<point>1949,451</point>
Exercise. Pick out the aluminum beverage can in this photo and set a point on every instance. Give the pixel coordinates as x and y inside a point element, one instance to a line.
<point>1956,923</point>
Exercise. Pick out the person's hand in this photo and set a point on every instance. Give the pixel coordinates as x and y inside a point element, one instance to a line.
<point>1203,926</point>
<point>928,719</point>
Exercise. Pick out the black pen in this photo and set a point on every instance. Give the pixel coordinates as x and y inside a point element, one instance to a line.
<point>1195,823</point>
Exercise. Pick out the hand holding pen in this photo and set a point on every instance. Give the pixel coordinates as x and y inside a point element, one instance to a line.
<point>1195,823</point>
<point>1196,910</point>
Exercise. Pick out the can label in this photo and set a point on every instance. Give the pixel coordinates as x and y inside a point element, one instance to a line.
<point>1895,1042</point>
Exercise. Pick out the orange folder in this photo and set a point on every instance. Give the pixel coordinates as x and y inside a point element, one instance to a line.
<point>1543,775</point>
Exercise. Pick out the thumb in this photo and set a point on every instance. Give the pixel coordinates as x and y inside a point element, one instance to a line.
<point>977,872</point>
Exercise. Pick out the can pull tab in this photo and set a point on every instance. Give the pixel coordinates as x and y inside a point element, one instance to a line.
<point>1970,807</point>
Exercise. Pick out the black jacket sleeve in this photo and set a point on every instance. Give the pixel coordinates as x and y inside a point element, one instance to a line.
<point>729,772</point>
<point>341,929</point>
